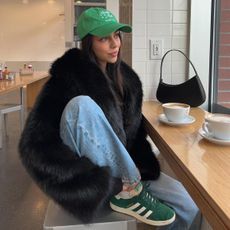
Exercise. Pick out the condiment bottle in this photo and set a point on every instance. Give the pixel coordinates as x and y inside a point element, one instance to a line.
<point>6,73</point>
<point>1,75</point>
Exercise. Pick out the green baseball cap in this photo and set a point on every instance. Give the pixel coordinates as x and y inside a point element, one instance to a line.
<point>99,22</point>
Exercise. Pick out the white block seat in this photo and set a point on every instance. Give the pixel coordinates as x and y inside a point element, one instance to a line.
<point>4,110</point>
<point>58,219</point>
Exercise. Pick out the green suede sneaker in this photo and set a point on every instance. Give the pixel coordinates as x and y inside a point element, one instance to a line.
<point>145,208</point>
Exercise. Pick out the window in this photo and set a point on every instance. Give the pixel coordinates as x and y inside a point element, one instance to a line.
<point>220,57</point>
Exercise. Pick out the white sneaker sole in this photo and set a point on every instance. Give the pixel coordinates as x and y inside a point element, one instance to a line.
<point>141,218</point>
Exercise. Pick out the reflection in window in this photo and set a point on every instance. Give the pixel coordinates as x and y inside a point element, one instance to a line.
<point>220,63</point>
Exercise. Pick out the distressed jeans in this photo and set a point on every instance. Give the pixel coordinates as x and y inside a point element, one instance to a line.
<point>85,129</point>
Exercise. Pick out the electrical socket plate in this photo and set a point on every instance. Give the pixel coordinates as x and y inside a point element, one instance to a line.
<point>156,48</point>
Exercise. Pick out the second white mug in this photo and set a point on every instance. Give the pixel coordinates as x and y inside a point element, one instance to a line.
<point>218,126</point>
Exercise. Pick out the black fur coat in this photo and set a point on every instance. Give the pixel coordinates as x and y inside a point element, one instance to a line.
<point>78,185</point>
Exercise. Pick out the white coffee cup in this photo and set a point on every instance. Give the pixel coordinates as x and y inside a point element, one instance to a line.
<point>218,126</point>
<point>176,112</point>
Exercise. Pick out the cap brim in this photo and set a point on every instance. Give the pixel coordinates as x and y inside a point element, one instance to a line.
<point>109,28</point>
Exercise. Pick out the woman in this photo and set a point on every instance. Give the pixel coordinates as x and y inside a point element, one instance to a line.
<point>84,143</point>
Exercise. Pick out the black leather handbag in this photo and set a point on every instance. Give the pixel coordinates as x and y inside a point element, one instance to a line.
<point>190,92</point>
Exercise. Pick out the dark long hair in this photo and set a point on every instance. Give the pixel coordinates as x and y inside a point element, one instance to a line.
<point>113,71</point>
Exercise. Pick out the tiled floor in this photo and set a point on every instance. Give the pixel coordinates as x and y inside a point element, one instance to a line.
<point>22,204</point>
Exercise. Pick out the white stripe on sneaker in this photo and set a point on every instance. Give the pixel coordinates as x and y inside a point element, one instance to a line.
<point>141,210</point>
<point>147,214</point>
<point>134,206</point>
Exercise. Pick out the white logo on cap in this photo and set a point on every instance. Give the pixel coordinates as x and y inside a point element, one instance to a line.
<point>107,16</point>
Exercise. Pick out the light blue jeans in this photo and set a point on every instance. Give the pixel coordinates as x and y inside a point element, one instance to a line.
<point>85,129</point>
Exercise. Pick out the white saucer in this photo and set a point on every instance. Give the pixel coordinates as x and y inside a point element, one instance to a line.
<point>212,139</point>
<point>188,120</point>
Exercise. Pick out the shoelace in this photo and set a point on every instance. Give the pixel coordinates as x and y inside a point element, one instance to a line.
<point>149,201</point>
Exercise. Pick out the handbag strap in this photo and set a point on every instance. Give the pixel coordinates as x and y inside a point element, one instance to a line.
<point>161,79</point>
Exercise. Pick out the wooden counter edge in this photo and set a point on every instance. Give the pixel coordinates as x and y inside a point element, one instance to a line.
<point>214,219</point>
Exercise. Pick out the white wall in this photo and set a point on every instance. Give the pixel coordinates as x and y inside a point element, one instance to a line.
<point>167,20</point>
<point>113,6</point>
<point>200,39</point>
<point>36,32</point>
<point>32,31</point>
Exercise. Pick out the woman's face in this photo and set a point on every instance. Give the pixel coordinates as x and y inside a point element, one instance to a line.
<point>106,49</point>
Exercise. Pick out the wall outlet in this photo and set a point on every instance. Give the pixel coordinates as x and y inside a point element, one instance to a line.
<point>156,48</point>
